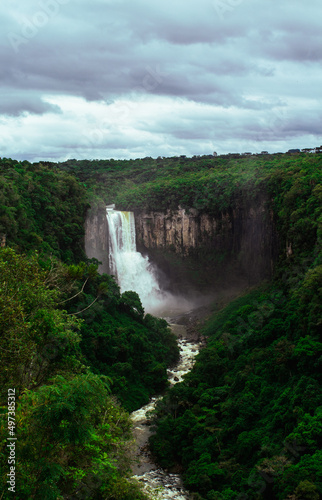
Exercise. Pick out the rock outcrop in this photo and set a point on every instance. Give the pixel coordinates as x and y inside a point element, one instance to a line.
<point>241,241</point>
<point>198,250</point>
<point>96,238</point>
<point>181,231</point>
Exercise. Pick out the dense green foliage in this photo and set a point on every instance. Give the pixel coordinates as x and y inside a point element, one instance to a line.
<point>71,345</point>
<point>119,341</point>
<point>72,436</point>
<point>42,208</point>
<point>246,422</point>
<point>211,184</point>
<point>247,419</point>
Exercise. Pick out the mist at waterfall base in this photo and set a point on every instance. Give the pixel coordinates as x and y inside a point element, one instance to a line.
<point>134,272</point>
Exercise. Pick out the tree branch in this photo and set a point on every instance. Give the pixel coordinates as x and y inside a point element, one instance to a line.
<point>76,293</point>
<point>74,314</point>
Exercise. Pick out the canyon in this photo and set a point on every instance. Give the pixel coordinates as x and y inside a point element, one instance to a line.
<point>198,251</point>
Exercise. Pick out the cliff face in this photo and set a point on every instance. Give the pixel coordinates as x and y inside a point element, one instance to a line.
<point>194,250</point>
<point>242,243</point>
<point>96,238</point>
<point>181,232</point>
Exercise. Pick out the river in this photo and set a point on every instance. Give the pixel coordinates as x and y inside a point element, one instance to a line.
<point>135,272</point>
<point>158,483</point>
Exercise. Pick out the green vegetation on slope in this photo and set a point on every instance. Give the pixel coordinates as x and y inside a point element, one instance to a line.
<point>246,422</point>
<point>72,436</point>
<point>247,419</point>
<point>69,342</point>
<point>72,347</point>
<point>120,342</point>
<point>42,208</point>
<point>207,184</point>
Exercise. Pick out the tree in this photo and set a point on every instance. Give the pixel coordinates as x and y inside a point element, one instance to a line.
<point>33,331</point>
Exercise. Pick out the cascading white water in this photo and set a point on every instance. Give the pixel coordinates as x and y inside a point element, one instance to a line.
<point>134,272</point>
<point>131,269</point>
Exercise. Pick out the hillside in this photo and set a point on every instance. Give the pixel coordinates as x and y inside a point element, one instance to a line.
<point>76,353</point>
<point>245,423</point>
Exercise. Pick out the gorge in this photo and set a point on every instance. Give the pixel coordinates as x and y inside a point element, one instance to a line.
<point>246,240</point>
<point>134,273</point>
<point>244,233</point>
<point>238,247</point>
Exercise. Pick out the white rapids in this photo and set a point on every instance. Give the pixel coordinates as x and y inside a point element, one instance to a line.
<point>157,483</point>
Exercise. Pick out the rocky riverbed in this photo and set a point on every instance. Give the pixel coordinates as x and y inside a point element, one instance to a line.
<point>159,483</point>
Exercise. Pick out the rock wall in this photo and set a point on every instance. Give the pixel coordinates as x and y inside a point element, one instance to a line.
<point>96,238</point>
<point>198,251</point>
<point>241,242</point>
<point>180,231</point>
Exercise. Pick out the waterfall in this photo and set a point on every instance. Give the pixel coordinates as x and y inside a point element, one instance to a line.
<point>132,270</point>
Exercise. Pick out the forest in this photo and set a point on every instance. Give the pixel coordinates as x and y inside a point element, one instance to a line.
<point>79,354</point>
<point>246,421</point>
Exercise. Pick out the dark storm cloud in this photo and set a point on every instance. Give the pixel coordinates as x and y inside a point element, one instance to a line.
<point>15,103</point>
<point>107,42</point>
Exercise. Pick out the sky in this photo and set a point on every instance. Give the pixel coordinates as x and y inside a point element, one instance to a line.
<point>126,79</point>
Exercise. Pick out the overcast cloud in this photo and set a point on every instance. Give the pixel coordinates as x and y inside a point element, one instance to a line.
<point>129,79</point>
